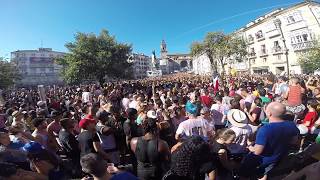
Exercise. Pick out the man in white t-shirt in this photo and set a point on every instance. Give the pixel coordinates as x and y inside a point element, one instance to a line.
<point>239,124</point>
<point>193,127</point>
<point>86,95</point>
<point>133,104</point>
<point>218,113</point>
<point>125,102</point>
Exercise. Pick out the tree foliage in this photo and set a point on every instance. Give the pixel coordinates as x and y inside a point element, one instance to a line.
<point>94,57</point>
<point>219,48</point>
<point>310,60</point>
<point>8,74</point>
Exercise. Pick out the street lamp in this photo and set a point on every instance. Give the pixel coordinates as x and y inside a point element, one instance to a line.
<point>277,23</point>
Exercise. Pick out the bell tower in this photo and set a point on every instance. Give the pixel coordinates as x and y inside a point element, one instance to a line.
<point>163,50</point>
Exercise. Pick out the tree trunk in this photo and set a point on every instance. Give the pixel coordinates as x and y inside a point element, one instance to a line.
<point>222,73</point>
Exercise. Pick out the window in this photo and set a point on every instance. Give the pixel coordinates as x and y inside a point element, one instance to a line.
<point>291,19</point>
<point>279,57</point>
<point>299,38</point>
<point>253,61</point>
<point>250,38</point>
<point>294,17</point>
<point>305,37</point>
<point>264,60</point>
<point>252,51</point>
<point>263,49</point>
<point>259,34</point>
<point>276,44</point>
<point>293,40</point>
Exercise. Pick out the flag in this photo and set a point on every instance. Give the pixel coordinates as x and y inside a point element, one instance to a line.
<point>215,82</point>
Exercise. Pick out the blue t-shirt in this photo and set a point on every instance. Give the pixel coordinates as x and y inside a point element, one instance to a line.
<point>276,138</point>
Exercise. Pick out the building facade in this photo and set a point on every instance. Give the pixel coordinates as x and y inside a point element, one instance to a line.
<point>140,65</point>
<point>37,66</point>
<point>170,63</point>
<point>283,34</point>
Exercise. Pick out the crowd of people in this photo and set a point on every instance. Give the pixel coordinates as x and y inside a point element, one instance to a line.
<point>172,127</point>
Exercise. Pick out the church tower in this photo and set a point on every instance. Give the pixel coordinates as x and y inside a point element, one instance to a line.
<point>163,50</point>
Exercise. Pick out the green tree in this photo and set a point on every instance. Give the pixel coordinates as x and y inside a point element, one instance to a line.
<point>219,48</point>
<point>94,57</point>
<point>310,60</point>
<point>8,73</point>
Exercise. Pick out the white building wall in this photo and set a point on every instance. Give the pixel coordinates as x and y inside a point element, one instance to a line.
<point>37,66</point>
<point>300,27</point>
<point>141,64</point>
<point>201,65</point>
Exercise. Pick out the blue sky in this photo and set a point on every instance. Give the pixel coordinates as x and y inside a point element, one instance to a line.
<point>24,24</point>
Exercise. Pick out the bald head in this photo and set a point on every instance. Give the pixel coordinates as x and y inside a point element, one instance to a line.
<point>276,110</point>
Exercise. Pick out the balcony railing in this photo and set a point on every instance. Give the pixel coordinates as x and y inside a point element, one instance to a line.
<point>260,37</point>
<point>263,53</point>
<point>252,55</point>
<point>277,50</point>
<point>302,45</point>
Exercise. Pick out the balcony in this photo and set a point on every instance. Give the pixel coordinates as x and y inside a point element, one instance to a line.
<point>250,40</point>
<point>252,55</point>
<point>263,53</point>
<point>277,50</point>
<point>260,37</point>
<point>302,46</point>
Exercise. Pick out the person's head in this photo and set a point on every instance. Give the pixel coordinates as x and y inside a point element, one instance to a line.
<point>312,104</point>
<point>93,165</point>
<point>234,104</point>
<point>39,123</point>
<point>4,139</point>
<point>105,92</point>
<point>150,126</point>
<point>67,124</point>
<point>316,91</point>
<point>281,79</point>
<point>226,136</point>
<point>102,116</point>
<point>193,97</point>
<point>158,104</point>
<point>190,156</point>
<point>205,112</point>
<point>262,92</point>
<point>294,81</point>
<point>132,113</point>
<point>275,111</point>
<point>244,92</point>
<point>218,99</point>
<point>43,161</point>
<point>56,115</point>
<point>258,102</point>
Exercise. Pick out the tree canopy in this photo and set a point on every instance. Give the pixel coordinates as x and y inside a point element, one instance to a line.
<point>310,60</point>
<point>8,74</point>
<point>94,57</point>
<point>220,47</point>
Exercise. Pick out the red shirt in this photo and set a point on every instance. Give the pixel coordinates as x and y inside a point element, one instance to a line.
<point>310,118</point>
<point>206,100</point>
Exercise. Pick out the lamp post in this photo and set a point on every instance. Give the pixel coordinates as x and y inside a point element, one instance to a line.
<point>277,23</point>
